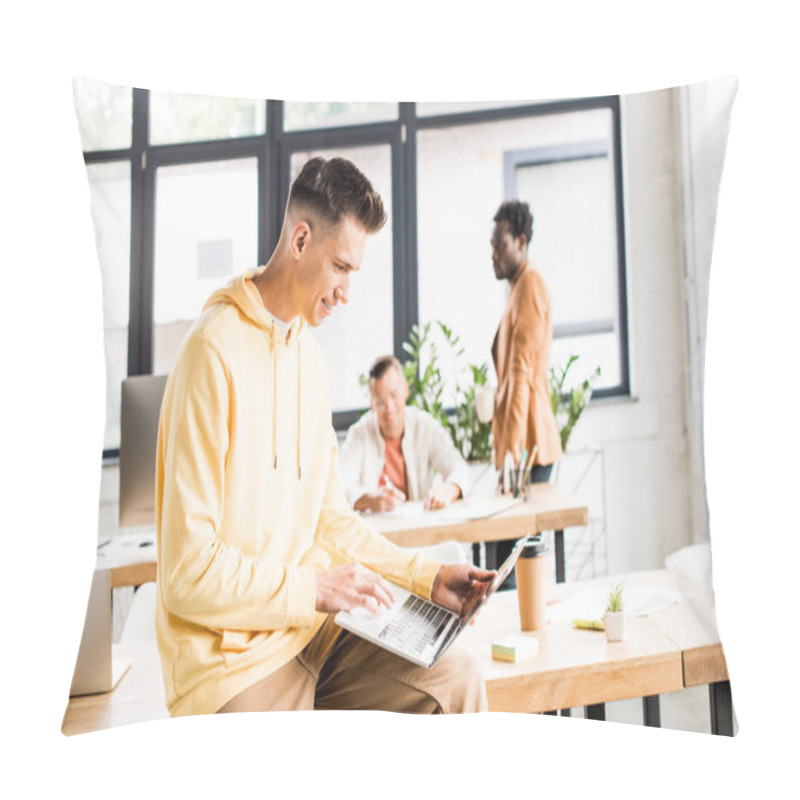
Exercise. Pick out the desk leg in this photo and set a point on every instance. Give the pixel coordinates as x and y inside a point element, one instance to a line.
<point>597,711</point>
<point>490,551</point>
<point>560,571</point>
<point>721,708</point>
<point>651,711</point>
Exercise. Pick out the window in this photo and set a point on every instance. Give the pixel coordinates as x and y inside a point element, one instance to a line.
<point>562,165</point>
<point>311,116</point>
<point>571,194</point>
<point>188,191</point>
<point>110,192</point>
<point>206,232</point>
<point>105,114</point>
<point>196,118</point>
<point>347,350</point>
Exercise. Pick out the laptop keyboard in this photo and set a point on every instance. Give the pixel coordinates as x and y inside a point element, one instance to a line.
<point>415,625</point>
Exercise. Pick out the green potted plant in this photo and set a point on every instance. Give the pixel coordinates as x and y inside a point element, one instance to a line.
<point>614,618</point>
<point>568,405</point>
<point>471,435</point>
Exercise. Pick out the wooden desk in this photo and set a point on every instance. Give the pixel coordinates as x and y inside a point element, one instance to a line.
<point>574,667</point>
<point>663,652</point>
<point>549,507</point>
<point>130,557</point>
<point>138,697</point>
<point>692,625</point>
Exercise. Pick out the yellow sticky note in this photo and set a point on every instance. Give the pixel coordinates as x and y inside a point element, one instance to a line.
<point>515,649</point>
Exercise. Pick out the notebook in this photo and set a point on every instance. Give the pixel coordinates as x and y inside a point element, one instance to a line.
<point>418,629</point>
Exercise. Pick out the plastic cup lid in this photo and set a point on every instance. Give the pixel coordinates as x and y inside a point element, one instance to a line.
<point>535,547</point>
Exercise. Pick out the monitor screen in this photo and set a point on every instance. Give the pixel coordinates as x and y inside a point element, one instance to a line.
<point>141,404</point>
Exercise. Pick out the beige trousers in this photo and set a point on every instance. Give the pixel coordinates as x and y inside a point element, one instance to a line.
<point>338,670</point>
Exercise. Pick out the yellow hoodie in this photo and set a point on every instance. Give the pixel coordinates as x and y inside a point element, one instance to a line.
<point>249,503</point>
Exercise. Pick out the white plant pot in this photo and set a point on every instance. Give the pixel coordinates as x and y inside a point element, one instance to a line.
<point>615,625</point>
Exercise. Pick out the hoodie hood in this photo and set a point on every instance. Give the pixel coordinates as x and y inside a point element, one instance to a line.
<point>241,292</point>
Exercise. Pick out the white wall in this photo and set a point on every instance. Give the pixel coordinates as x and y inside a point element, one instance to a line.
<point>652,443</point>
<point>705,113</point>
<point>644,439</point>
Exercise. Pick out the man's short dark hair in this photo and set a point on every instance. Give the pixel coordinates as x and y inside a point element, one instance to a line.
<point>334,188</point>
<point>519,218</point>
<point>381,365</point>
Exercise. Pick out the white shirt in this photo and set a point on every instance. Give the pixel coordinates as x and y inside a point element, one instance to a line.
<point>427,450</point>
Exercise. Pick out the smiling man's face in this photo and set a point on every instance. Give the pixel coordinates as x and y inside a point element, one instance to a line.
<point>388,395</point>
<point>326,263</point>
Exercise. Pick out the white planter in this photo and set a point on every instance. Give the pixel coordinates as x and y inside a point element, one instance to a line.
<point>615,625</point>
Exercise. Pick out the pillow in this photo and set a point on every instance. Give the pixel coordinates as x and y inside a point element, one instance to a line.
<point>624,193</point>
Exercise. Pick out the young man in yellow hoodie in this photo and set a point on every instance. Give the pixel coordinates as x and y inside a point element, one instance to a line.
<point>256,546</point>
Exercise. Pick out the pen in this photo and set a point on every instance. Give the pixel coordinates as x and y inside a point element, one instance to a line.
<point>589,624</point>
<point>529,463</point>
<point>508,466</point>
<point>529,466</point>
<point>520,472</point>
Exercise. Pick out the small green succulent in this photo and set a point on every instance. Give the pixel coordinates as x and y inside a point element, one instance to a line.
<point>615,598</point>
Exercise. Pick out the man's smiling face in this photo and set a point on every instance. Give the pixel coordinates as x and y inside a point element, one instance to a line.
<point>324,268</point>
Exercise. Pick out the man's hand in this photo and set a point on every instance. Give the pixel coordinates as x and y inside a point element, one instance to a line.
<point>387,498</point>
<point>349,586</point>
<point>442,495</point>
<point>454,583</point>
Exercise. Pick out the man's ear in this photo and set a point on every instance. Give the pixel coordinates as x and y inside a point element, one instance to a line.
<point>300,238</point>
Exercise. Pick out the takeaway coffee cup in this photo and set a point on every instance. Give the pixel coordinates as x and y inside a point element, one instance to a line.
<point>532,583</point>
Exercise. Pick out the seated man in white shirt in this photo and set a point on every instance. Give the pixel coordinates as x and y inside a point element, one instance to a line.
<point>393,452</point>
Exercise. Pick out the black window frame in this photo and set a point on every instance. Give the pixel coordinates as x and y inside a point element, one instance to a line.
<point>273,150</point>
<point>577,151</point>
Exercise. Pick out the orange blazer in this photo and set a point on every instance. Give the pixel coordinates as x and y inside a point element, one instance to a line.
<point>521,352</point>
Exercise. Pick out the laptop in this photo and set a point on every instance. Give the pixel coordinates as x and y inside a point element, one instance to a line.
<point>418,629</point>
<point>95,671</point>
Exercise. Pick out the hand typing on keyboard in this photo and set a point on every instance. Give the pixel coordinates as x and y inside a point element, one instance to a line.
<point>350,586</point>
<point>370,611</point>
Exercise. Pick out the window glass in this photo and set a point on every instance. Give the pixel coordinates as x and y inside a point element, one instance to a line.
<point>359,332</point>
<point>178,118</point>
<point>110,192</point>
<point>308,116</point>
<point>105,114</point>
<point>206,231</point>
<point>461,106</point>
<point>575,248</point>
<point>463,174</point>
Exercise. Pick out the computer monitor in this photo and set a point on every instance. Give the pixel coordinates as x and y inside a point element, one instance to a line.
<point>96,670</point>
<point>141,404</point>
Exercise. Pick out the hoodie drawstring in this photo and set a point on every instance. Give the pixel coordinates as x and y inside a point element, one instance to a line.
<point>275,403</point>
<point>299,470</point>
<point>242,293</point>
<point>274,399</point>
